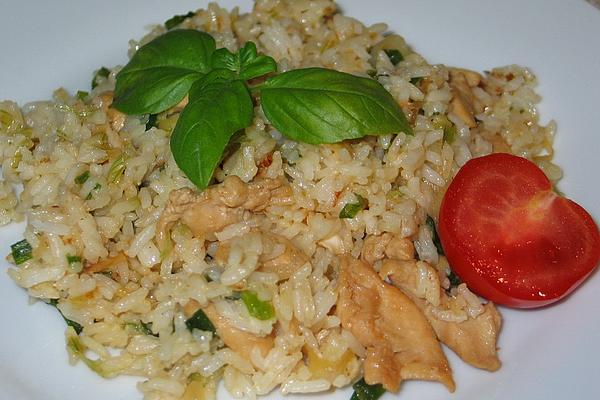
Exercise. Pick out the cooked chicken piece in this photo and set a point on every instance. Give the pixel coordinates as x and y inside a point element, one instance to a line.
<point>400,344</point>
<point>463,101</point>
<point>473,340</point>
<point>215,208</point>
<point>236,339</point>
<point>287,262</point>
<point>400,248</point>
<point>374,247</point>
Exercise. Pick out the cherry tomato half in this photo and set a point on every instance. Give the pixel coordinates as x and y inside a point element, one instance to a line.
<point>511,238</point>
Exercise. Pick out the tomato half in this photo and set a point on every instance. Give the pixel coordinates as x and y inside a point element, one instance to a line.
<point>511,238</point>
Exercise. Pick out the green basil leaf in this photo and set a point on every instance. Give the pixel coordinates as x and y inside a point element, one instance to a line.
<point>215,112</point>
<point>162,72</point>
<point>21,251</point>
<point>246,62</point>
<point>253,65</point>
<point>434,235</point>
<point>316,105</point>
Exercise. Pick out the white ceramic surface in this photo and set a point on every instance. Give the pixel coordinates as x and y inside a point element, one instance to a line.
<point>547,354</point>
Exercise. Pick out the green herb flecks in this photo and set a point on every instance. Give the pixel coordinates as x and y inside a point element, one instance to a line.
<point>21,251</point>
<point>434,235</point>
<point>140,327</point>
<point>103,72</point>
<point>177,19</point>
<point>364,391</point>
<point>152,121</point>
<point>394,55</point>
<point>81,179</point>
<point>96,187</point>
<point>442,122</point>
<point>82,95</point>
<point>116,169</point>
<point>78,350</point>
<point>351,209</point>
<point>200,321</point>
<point>74,263</point>
<point>77,327</point>
<point>257,308</point>
<point>454,279</point>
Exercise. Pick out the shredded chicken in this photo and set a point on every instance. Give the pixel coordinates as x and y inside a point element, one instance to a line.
<point>210,211</point>
<point>236,339</point>
<point>400,344</point>
<point>463,100</point>
<point>473,340</point>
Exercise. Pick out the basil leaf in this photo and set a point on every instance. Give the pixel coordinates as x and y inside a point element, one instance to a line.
<point>246,62</point>
<point>316,105</point>
<point>434,235</point>
<point>162,72</point>
<point>21,251</point>
<point>254,65</point>
<point>215,112</point>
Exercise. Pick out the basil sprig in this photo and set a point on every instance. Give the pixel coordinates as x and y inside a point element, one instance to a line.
<point>161,73</point>
<point>311,105</point>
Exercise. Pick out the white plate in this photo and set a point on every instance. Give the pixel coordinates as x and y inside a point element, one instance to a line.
<point>547,354</point>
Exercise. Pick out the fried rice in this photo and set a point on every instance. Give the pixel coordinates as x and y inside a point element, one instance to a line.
<point>150,250</point>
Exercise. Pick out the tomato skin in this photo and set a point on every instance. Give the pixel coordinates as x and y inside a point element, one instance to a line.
<point>511,238</point>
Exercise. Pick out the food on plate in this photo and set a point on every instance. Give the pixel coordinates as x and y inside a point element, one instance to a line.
<point>253,199</point>
<point>511,237</point>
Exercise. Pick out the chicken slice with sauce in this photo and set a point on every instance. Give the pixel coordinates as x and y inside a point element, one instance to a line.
<point>400,344</point>
<point>473,340</point>
<point>210,211</point>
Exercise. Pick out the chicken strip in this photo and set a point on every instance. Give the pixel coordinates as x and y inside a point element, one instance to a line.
<point>210,211</point>
<point>400,344</point>
<point>473,340</point>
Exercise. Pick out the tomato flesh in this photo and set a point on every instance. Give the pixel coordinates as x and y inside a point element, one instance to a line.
<point>511,238</point>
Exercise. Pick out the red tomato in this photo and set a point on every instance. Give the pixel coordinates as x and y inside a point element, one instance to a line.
<point>511,238</point>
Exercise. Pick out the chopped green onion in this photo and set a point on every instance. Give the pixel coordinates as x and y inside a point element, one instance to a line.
<point>96,187</point>
<point>116,169</point>
<point>21,251</point>
<point>434,235</point>
<point>77,327</point>
<point>75,264</point>
<point>151,121</point>
<point>77,349</point>
<point>81,94</point>
<point>415,81</point>
<point>257,308</point>
<point>80,179</point>
<point>454,279</point>
<point>442,122</point>
<point>73,259</point>
<point>177,19</point>
<point>351,209</point>
<point>200,321</point>
<point>364,391</point>
<point>141,327</point>
<point>394,55</point>
<point>103,72</point>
